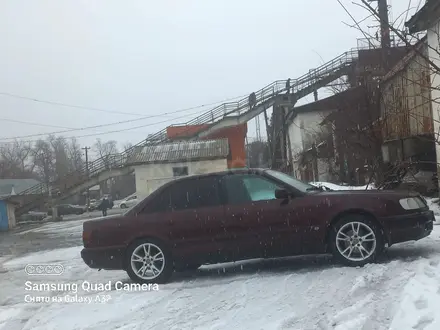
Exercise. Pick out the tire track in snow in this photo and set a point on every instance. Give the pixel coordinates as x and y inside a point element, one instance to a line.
<point>361,302</point>
<point>418,308</point>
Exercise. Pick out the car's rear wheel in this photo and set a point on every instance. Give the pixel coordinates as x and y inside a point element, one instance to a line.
<point>123,206</point>
<point>149,261</point>
<point>356,240</point>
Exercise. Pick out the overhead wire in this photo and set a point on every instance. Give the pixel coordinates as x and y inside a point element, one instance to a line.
<point>31,123</point>
<point>68,105</point>
<point>66,130</point>
<point>93,134</point>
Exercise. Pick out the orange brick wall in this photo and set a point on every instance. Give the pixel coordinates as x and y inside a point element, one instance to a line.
<point>236,136</point>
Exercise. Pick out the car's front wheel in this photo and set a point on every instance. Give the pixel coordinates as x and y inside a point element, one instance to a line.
<point>149,261</point>
<point>123,206</point>
<point>356,240</point>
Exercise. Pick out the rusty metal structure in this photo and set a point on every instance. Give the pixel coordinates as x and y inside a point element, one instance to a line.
<point>407,120</point>
<point>361,67</point>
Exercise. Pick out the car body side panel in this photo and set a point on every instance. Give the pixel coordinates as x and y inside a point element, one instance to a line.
<point>279,226</point>
<point>302,224</point>
<point>193,231</point>
<point>241,236</point>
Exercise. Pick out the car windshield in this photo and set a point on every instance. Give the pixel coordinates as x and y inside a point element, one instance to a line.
<point>291,181</point>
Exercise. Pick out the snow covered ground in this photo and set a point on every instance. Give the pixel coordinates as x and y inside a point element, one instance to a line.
<point>401,291</point>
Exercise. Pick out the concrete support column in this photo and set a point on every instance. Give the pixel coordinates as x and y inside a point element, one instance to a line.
<point>55,213</point>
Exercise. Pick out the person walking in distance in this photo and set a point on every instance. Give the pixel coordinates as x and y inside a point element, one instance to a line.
<point>288,86</point>
<point>105,205</point>
<point>252,100</point>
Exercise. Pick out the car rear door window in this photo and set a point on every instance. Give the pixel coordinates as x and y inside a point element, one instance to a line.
<point>161,203</point>
<point>187,194</point>
<point>249,188</point>
<point>195,193</point>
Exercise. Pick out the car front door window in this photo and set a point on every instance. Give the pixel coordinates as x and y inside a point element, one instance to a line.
<point>249,188</point>
<point>260,189</point>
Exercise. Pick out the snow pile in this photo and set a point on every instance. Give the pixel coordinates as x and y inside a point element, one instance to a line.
<point>419,307</point>
<point>333,186</point>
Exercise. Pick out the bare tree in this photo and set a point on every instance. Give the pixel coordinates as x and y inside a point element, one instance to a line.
<point>59,147</point>
<point>74,152</point>
<point>347,141</point>
<point>106,150</point>
<point>258,154</point>
<point>44,160</point>
<point>127,146</point>
<point>14,160</point>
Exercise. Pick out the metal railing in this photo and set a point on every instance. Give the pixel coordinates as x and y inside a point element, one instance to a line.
<point>395,41</point>
<point>308,80</point>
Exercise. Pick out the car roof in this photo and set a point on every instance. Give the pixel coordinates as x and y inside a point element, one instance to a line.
<point>219,173</point>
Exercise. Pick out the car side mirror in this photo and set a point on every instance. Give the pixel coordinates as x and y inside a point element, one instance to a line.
<point>281,194</point>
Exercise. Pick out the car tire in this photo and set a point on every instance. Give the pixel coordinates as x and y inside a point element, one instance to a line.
<point>356,240</point>
<point>123,206</point>
<point>137,260</point>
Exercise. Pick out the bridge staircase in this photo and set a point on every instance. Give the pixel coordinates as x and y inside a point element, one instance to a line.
<point>225,115</point>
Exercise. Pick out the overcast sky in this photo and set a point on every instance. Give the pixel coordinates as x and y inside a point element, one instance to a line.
<point>149,58</point>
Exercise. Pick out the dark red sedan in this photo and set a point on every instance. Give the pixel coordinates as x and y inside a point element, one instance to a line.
<point>245,214</point>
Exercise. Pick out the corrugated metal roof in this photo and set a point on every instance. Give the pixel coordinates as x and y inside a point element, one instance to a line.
<point>180,152</point>
<point>425,18</point>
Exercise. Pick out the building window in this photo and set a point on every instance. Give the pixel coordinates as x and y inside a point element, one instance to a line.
<point>180,171</point>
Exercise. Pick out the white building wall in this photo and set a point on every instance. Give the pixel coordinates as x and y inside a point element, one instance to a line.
<point>303,132</point>
<point>149,177</point>
<point>434,55</point>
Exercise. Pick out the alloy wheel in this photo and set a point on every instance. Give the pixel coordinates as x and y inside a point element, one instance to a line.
<point>356,241</point>
<point>147,261</point>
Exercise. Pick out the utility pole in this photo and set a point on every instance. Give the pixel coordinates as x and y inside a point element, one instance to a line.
<point>385,39</point>
<point>86,149</point>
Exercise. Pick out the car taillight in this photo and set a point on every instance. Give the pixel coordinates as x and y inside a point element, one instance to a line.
<point>86,237</point>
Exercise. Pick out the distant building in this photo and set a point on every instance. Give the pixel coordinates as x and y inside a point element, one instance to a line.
<point>305,131</point>
<point>407,117</point>
<point>10,187</point>
<point>158,164</point>
<point>428,19</point>
<point>235,135</point>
